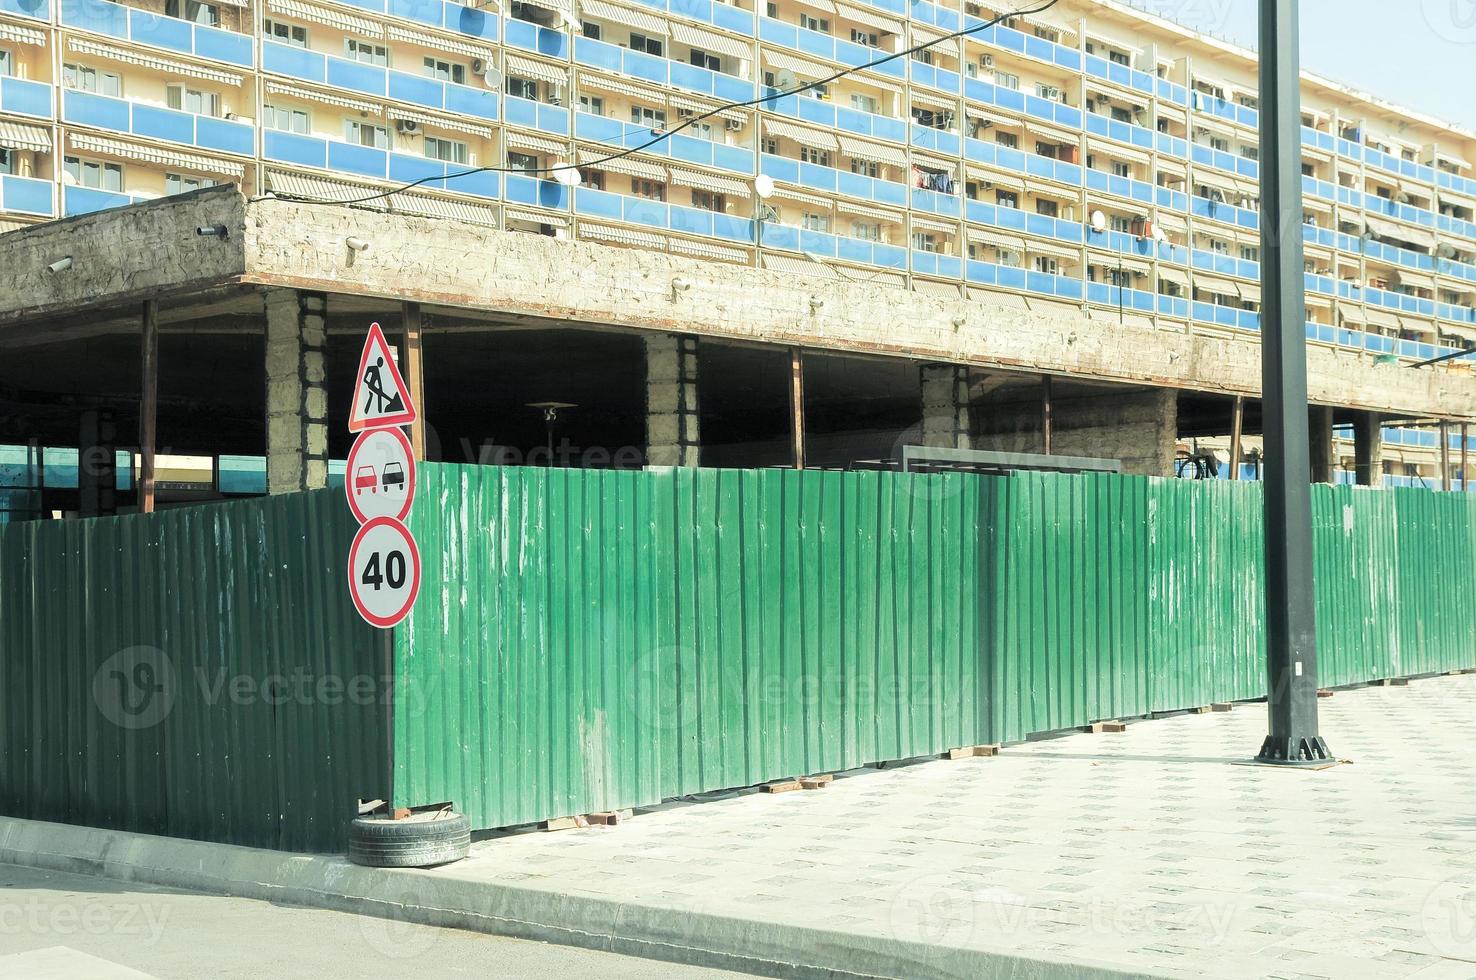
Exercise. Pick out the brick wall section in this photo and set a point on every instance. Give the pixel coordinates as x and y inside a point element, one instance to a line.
<point>672,430</point>
<point>945,406</point>
<point>296,400</point>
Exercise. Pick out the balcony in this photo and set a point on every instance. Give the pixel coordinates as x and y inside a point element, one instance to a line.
<point>1203,207</point>
<point>636,64</point>
<point>1008,158</point>
<point>1024,280</point>
<point>538,115</point>
<point>592,203</point>
<point>156,30</point>
<point>26,195</point>
<point>1244,115</point>
<point>85,200</point>
<point>540,40</point>
<point>39,9</point>
<point>830,115</point>
<point>1032,105</point>
<point>154,122</point>
<point>1208,156</point>
<point>377,164</point>
<point>678,146</point>
<point>830,246</point>
<point>835,181</point>
<point>830,48</point>
<point>1015,220</point>
<point>1124,187</point>
<point>311,66</point>
<point>25,98</point>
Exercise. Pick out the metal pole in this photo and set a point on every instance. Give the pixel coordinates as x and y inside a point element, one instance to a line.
<point>148,406</point>
<point>1237,430</point>
<point>1445,483</point>
<point>1121,319</point>
<point>1047,414</point>
<point>797,406</point>
<point>1291,628</point>
<point>415,376</point>
<point>388,642</point>
<point>1465,473</point>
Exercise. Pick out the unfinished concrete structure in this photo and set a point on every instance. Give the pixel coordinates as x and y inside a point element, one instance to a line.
<point>653,359</point>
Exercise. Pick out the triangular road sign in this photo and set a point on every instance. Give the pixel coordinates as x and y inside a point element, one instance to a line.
<point>381,396</point>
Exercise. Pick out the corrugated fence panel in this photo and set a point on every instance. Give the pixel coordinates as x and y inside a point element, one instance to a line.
<point>198,672</point>
<point>591,640</point>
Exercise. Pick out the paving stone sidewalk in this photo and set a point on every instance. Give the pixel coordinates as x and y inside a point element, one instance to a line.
<point>1147,850</point>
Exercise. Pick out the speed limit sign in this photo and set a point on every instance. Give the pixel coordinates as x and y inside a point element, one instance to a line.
<point>384,571</point>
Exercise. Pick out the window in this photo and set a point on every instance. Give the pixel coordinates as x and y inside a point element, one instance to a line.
<point>924,55</point>
<point>708,201</point>
<point>275,30</point>
<point>593,179</point>
<point>7,62</point>
<point>180,183</point>
<point>820,158</point>
<point>1120,169</point>
<point>1250,253</point>
<point>523,88</point>
<point>90,173</point>
<point>923,241</point>
<point>86,79</point>
<point>7,160</point>
<point>648,117</point>
<point>193,11</point>
<point>650,45</point>
<point>1005,80</point>
<point>770,146</point>
<point>1008,257</point>
<point>811,221</point>
<point>864,103</point>
<point>814,23</point>
<point>1250,152</point>
<point>1119,114</point>
<point>366,134</point>
<point>869,231</point>
<point>1048,208</point>
<point>525,162</point>
<point>591,31</point>
<point>1048,265</point>
<point>286,120</point>
<point>444,71</point>
<point>193,100</point>
<point>771,10</point>
<point>1007,199</point>
<point>1121,224</point>
<point>451,151</point>
<point>1222,145</point>
<point>592,104</point>
<point>366,52</point>
<point>864,39</point>
<point>699,130</point>
<point>648,189</point>
<point>1009,140</point>
<point>866,168</point>
<point>1119,57</point>
<point>702,59</point>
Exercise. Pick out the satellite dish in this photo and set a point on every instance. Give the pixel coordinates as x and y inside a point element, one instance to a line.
<point>568,176</point>
<point>785,80</point>
<point>492,78</point>
<point>763,186</point>
<point>1158,235</point>
<point>1099,222</point>
<point>1446,251</point>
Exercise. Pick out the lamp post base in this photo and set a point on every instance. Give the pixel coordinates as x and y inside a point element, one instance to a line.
<point>1307,751</point>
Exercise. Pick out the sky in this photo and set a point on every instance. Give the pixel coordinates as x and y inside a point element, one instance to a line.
<point>1419,54</point>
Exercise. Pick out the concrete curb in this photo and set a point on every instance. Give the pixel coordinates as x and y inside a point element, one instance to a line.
<point>442,897</point>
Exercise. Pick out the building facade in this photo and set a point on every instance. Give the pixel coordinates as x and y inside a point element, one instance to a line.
<point>1095,159</point>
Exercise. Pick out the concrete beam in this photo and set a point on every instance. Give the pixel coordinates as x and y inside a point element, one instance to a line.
<point>945,406</point>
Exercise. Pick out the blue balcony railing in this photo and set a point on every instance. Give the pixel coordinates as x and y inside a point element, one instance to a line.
<point>836,181</point>
<point>660,71</point>
<point>285,59</point>
<point>85,200</point>
<point>367,161</point>
<point>139,119</point>
<point>831,116</point>
<point>170,33</point>
<point>1244,115</point>
<point>26,98</point>
<point>26,195</point>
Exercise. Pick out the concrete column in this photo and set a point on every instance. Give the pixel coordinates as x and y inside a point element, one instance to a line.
<point>945,406</point>
<point>296,400</point>
<point>1139,427</point>
<point>1368,449</point>
<point>97,470</point>
<point>672,437</point>
<point>1321,437</point>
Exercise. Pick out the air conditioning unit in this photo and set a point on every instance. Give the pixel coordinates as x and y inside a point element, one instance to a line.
<point>686,113</point>
<point>407,126</point>
<point>480,65</point>
<point>987,61</point>
<point>734,124</point>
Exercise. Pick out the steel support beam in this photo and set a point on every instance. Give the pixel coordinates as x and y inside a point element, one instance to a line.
<point>148,405</point>
<point>1291,628</point>
<point>1237,432</point>
<point>797,406</point>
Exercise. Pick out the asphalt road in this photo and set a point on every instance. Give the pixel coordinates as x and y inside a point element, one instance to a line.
<point>65,926</point>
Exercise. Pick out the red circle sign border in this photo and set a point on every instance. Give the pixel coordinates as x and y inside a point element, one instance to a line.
<point>384,622</point>
<point>348,472</point>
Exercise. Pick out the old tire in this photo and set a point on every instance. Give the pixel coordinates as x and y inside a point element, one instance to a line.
<point>421,840</point>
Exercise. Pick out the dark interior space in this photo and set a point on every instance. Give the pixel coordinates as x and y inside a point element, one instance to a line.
<point>743,405</point>
<point>860,411</point>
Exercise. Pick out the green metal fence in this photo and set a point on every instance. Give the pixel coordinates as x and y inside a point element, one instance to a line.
<point>198,673</point>
<point>595,640</point>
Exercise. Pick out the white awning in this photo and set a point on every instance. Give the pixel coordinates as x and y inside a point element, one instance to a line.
<point>1319,301</point>
<point>996,297</point>
<point>942,290</point>
<point>730,186</point>
<point>1314,204</point>
<point>1224,183</point>
<point>869,17</point>
<point>920,223</point>
<point>1175,224</point>
<point>1099,145</point>
<point>314,188</point>
<point>19,136</point>
<point>1211,124</point>
<point>1214,284</point>
<point>1176,276</point>
<point>937,103</point>
<point>926,35</point>
<point>328,16</point>
<point>642,21</point>
<point>454,124</point>
<point>709,41</point>
<point>872,78</point>
<point>528,68</point>
<point>628,165</point>
<point>707,250</point>
<point>1007,181</point>
<point>537,144</point>
<point>169,65</point>
<point>1348,313</point>
<point>699,106</point>
<point>621,236</point>
<point>1419,280</point>
<point>807,268</point>
<point>194,162</point>
<point>1173,169</point>
<point>1458,200</point>
<point>872,152</point>
<point>1035,246</point>
<point>814,138</point>
<point>1382,318</point>
<point>824,6</point>
<point>1400,232</point>
<point>620,86</point>
<point>536,217</point>
<point>789,193</point>
<point>1466,333</point>
<point>438,42</point>
<point>1052,134</point>
<point>847,206</point>
<point>21,35</point>
<point>326,98</point>
<point>995,239</point>
<point>946,165</point>
<point>443,207</point>
<point>1111,260</point>
<point>1250,291</point>
<point>806,70</point>
<point>991,116</point>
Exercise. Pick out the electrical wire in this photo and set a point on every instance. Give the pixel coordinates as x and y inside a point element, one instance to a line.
<point>666,134</point>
